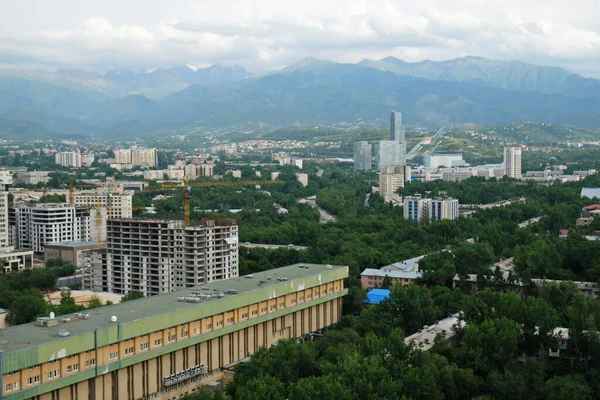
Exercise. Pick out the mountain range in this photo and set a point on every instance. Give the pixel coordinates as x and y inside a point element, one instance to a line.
<point>125,103</point>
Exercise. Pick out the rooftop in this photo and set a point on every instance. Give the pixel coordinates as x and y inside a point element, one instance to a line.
<point>376,296</point>
<point>73,244</point>
<point>408,265</point>
<point>392,273</point>
<point>590,192</point>
<point>29,335</point>
<point>425,338</point>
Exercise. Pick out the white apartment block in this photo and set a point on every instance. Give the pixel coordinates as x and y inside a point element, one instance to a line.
<point>196,170</point>
<point>159,256</point>
<point>137,157</point>
<point>104,206</point>
<point>444,209</point>
<point>35,226</point>
<point>68,159</point>
<point>5,181</point>
<point>302,178</point>
<point>392,178</point>
<point>32,177</point>
<point>418,208</point>
<point>512,162</point>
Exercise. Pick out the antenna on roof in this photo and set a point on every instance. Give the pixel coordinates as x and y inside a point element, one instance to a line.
<point>52,315</point>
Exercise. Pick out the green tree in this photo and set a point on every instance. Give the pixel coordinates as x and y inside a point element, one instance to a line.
<point>26,307</point>
<point>572,387</point>
<point>132,296</point>
<point>323,387</point>
<point>262,387</point>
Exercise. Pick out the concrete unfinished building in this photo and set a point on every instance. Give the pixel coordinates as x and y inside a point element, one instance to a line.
<point>160,256</point>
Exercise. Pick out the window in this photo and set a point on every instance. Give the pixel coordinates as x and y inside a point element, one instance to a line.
<point>36,379</point>
<point>30,380</point>
<point>272,307</point>
<point>263,310</point>
<point>143,346</point>
<point>254,313</point>
<point>309,297</point>
<point>184,333</point>
<point>17,385</point>
<point>56,373</point>
<point>282,305</point>
<point>50,375</point>
<point>245,316</point>
<point>113,355</point>
<point>93,361</point>
<point>129,350</point>
<point>9,387</point>
<point>75,367</point>
<point>69,368</point>
<point>208,326</point>
<point>195,331</point>
<point>158,342</point>
<point>219,323</point>
<point>230,320</point>
<point>171,338</point>
<point>293,301</point>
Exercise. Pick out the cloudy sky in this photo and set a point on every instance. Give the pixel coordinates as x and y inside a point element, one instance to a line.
<point>265,35</point>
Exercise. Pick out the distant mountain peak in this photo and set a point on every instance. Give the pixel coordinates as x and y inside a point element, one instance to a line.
<point>306,63</point>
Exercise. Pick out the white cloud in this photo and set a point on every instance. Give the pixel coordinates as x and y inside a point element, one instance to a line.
<point>264,35</point>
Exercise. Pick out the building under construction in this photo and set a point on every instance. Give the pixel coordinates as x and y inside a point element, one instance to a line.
<point>159,256</point>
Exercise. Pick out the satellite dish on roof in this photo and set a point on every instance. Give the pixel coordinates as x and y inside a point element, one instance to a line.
<point>52,315</point>
<point>113,319</point>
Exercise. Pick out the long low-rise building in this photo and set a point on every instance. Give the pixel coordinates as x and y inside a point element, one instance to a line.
<point>162,347</point>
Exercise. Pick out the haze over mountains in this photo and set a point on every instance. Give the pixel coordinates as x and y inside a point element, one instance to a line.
<point>126,103</point>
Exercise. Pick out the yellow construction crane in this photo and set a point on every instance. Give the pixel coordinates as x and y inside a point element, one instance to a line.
<point>187,191</point>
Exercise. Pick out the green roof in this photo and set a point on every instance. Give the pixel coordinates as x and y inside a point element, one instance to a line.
<point>149,314</point>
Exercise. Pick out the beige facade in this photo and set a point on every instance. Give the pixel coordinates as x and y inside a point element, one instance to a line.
<point>74,253</point>
<point>167,352</point>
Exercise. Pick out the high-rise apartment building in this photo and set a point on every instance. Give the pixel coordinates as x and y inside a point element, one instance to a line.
<point>363,156</point>
<point>5,181</point>
<point>392,178</point>
<point>512,162</point>
<point>137,157</point>
<point>109,205</point>
<point>196,170</point>
<point>68,159</point>
<point>444,209</point>
<point>159,256</point>
<point>41,224</point>
<point>389,152</point>
<point>418,208</point>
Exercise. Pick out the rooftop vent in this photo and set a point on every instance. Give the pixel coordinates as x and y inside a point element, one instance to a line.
<point>249,276</point>
<point>268,278</point>
<point>63,332</point>
<point>205,288</point>
<point>232,291</point>
<point>328,266</point>
<point>282,278</point>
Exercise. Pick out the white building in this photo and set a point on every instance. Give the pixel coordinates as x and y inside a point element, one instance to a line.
<point>32,177</point>
<point>68,159</point>
<point>5,182</point>
<point>392,178</point>
<point>158,256</point>
<point>137,157</point>
<point>302,178</point>
<point>389,152</point>
<point>444,209</point>
<point>443,160</point>
<point>418,208</point>
<point>196,170</point>
<point>35,226</point>
<point>512,162</point>
<point>104,206</point>
<point>363,156</point>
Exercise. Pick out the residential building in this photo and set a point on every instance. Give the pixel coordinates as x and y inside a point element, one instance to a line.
<point>236,173</point>
<point>137,157</point>
<point>32,177</point>
<point>104,205</point>
<point>389,152</point>
<point>373,277</point>
<point>154,175</point>
<point>196,170</point>
<point>167,346</point>
<point>73,252</point>
<point>512,162</point>
<point>32,227</point>
<point>68,159</point>
<point>160,256</point>
<point>444,329</point>
<point>5,181</point>
<point>302,178</point>
<point>417,208</point>
<point>392,178</point>
<point>363,156</point>
<point>444,209</point>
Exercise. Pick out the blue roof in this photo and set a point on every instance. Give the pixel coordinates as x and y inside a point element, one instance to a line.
<point>376,296</point>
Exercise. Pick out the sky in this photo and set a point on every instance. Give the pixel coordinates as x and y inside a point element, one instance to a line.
<point>267,35</point>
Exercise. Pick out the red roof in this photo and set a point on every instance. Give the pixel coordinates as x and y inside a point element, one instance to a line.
<point>564,231</point>
<point>592,207</point>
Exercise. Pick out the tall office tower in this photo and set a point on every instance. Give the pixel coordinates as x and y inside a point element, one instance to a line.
<point>41,224</point>
<point>396,129</point>
<point>417,208</point>
<point>363,156</point>
<point>68,159</point>
<point>388,152</point>
<point>512,162</point>
<point>159,256</point>
<point>5,181</point>
<point>444,209</point>
<point>398,134</point>
<point>144,157</point>
<point>393,177</point>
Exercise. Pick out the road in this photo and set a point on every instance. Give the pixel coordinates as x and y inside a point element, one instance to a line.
<point>272,246</point>
<point>325,216</point>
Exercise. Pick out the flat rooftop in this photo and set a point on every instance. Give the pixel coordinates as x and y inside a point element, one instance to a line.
<point>30,335</point>
<point>425,338</point>
<point>72,244</point>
